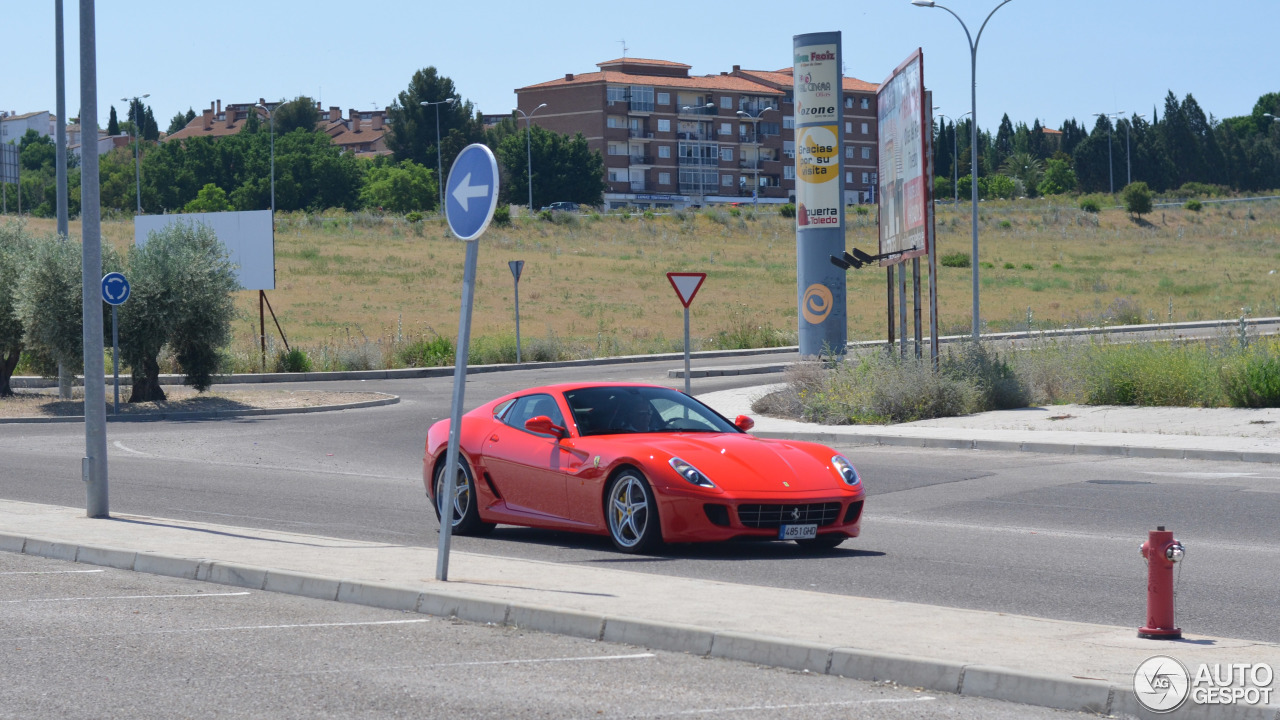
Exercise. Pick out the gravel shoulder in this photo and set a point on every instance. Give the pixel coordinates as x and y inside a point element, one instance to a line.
<point>46,404</point>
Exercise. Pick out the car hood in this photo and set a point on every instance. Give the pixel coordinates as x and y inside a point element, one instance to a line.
<point>745,463</point>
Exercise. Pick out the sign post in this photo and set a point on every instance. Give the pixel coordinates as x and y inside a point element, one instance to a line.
<point>471,196</point>
<point>819,129</point>
<point>517,267</point>
<point>115,290</point>
<point>686,285</point>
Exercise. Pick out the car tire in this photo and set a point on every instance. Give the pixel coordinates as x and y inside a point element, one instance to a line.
<point>631,512</point>
<point>821,542</point>
<point>466,512</point>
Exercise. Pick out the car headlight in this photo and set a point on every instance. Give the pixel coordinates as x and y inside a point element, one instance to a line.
<point>690,473</point>
<point>846,470</point>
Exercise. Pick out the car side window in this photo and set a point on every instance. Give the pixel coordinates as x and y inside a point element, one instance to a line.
<point>531,406</point>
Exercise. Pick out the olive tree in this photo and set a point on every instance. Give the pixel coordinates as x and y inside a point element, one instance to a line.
<point>181,282</point>
<point>14,246</point>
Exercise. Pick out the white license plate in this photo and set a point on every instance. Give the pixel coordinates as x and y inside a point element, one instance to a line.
<point>797,532</point>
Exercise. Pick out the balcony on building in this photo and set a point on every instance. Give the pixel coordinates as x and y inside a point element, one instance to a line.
<point>641,160</point>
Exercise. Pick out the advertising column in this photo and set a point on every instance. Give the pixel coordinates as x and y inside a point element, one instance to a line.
<point>819,193</point>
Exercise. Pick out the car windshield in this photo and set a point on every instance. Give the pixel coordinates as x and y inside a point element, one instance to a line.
<point>619,410</point>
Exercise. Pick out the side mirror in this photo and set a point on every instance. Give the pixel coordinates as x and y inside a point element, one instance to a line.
<point>542,425</point>
<point>743,423</point>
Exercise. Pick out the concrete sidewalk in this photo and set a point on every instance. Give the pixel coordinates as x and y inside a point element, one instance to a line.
<point>1043,662</point>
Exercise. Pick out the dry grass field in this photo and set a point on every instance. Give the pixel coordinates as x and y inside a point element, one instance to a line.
<point>598,283</point>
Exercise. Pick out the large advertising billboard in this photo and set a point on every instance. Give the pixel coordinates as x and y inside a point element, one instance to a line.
<point>903,186</point>
<point>818,106</point>
<point>248,236</point>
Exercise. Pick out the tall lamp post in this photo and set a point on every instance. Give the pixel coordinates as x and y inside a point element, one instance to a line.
<point>439,165</point>
<point>1110,172</point>
<point>136,103</point>
<point>755,191</point>
<point>973,132</point>
<point>693,110</point>
<point>271,116</point>
<point>528,133</point>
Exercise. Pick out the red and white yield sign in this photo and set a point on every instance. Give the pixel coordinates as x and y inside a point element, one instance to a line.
<point>686,285</point>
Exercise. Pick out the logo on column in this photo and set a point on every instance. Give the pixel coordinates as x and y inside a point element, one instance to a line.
<point>817,302</point>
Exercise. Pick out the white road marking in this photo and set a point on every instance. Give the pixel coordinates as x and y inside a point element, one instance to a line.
<point>120,445</point>
<point>838,703</point>
<point>1207,475</point>
<point>288,522</point>
<point>423,666</point>
<point>291,627</point>
<point>48,572</point>
<point>125,597</point>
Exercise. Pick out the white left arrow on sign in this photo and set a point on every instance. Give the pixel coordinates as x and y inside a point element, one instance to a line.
<point>466,191</point>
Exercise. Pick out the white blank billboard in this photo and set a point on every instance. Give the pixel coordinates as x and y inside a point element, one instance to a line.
<point>249,237</point>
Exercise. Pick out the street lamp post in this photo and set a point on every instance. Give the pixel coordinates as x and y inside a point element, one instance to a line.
<point>1110,171</point>
<point>701,174</point>
<point>755,191</point>
<point>973,133</point>
<point>136,104</point>
<point>439,164</point>
<point>271,116</point>
<point>528,133</point>
<point>1128,158</point>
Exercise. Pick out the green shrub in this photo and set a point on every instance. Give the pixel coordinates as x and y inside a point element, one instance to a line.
<point>1199,189</point>
<point>1194,205</point>
<point>568,219</point>
<point>428,352</point>
<point>414,217</point>
<point>1137,198</point>
<point>1089,203</point>
<point>1152,374</point>
<point>545,215</point>
<point>648,215</point>
<point>1253,381</point>
<point>986,265</point>
<point>879,388</point>
<point>1006,224</point>
<point>502,216</point>
<point>1009,266</point>
<point>998,386</point>
<point>861,209</point>
<point>293,361</point>
<point>787,210</point>
<point>735,212</point>
<point>955,260</point>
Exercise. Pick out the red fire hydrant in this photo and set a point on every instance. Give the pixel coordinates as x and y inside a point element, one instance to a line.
<point>1161,552</point>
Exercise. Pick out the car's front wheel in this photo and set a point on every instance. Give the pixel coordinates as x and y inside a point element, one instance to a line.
<point>632,512</point>
<point>466,514</point>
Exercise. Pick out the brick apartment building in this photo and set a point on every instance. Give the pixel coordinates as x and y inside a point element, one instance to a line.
<point>670,139</point>
<point>362,132</point>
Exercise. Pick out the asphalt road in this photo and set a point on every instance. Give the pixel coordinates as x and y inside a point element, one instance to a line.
<point>97,643</point>
<point>1042,535</point>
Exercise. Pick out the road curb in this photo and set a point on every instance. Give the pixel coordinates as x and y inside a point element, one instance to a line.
<point>213,414</point>
<point>973,680</point>
<point>961,443</point>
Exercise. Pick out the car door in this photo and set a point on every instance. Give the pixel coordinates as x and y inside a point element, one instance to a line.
<point>527,468</point>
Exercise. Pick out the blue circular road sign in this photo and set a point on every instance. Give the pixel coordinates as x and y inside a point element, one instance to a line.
<point>471,195</point>
<point>115,288</point>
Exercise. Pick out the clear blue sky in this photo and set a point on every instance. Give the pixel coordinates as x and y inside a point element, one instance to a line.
<point>1051,60</point>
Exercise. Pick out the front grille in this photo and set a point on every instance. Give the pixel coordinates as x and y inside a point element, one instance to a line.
<point>771,516</point>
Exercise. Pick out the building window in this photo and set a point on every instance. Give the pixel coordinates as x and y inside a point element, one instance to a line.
<point>848,102</point>
<point>615,95</point>
<point>726,102</point>
<point>873,178</point>
<point>617,175</point>
<point>726,180</point>
<point>664,98</point>
<point>664,125</point>
<point>726,154</point>
<point>864,128</point>
<point>865,179</point>
<point>641,98</point>
<point>769,128</point>
<point>788,122</point>
<point>789,148</point>
<point>726,128</point>
<point>866,153</point>
<point>664,178</point>
<point>848,152</point>
<point>614,121</point>
<point>866,103</point>
<point>788,172</point>
<point>664,151</point>
<point>848,177</point>
<point>848,128</point>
